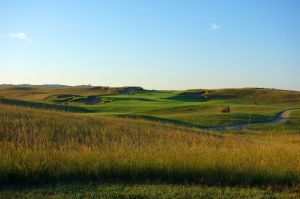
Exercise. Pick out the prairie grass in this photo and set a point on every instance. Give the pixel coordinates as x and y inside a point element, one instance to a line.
<point>43,105</point>
<point>38,146</point>
<point>149,191</point>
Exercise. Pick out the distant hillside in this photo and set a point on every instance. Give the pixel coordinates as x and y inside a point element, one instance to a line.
<point>51,91</point>
<point>43,92</point>
<point>36,86</point>
<point>255,95</point>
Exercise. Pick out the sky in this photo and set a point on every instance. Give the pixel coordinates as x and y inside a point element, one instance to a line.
<point>156,44</point>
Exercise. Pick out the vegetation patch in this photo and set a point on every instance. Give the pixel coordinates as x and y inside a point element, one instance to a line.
<point>130,90</point>
<point>190,96</point>
<point>21,88</point>
<point>225,109</point>
<point>42,105</point>
<point>89,100</point>
<point>149,191</point>
<point>43,146</point>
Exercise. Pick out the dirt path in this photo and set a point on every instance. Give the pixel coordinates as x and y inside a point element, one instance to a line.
<point>283,115</point>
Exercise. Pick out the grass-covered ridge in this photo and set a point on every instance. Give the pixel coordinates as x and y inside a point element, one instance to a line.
<point>200,107</point>
<point>49,146</point>
<point>254,95</point>
<point>36,93</point>
<point>43,105</point>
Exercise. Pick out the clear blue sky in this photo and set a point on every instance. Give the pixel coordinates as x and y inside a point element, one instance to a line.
<point>161,44</point>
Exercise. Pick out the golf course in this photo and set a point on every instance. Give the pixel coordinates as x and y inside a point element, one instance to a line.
<point>195,108</point>
<point>149,99</point>
<point>111,139</point>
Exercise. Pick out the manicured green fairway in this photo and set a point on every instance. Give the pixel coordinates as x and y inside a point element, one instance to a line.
<point>204,112</point>
<point>195,107</point>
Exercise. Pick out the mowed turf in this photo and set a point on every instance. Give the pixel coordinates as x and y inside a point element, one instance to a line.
<point>292,122</point>
<point>248,106</point>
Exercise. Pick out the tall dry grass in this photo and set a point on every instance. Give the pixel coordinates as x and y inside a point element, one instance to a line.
<point>47,146</point>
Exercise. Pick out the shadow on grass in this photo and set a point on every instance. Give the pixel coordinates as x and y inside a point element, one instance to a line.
<point>132,98</point>
<point>43,105</point>
<point>201,176</point>
<point>186,99</point>
<point>236,126</point>
<point>163,120</point>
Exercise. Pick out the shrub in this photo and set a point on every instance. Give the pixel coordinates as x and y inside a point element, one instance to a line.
<point>225,109</point>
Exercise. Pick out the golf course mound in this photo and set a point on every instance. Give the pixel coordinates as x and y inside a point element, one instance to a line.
<point>259,95</point>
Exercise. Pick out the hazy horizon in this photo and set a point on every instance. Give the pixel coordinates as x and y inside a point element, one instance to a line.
<point>75,85</point>
<point>163,45</point>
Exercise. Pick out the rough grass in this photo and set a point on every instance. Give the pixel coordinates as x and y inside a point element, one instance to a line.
<point>34,93</point>
<point>43,105</point>
<point>255,95</point>
<point>150,191</point>
<point>38,146</point>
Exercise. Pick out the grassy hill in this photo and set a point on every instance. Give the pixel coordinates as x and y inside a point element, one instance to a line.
<point>147,142</point>
<point>192,107</point>
<point>49,146</point>
<point>36,93</point>
<point>254,95</point>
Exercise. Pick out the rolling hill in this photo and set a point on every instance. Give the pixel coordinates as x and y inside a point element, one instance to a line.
<point>198,107</point>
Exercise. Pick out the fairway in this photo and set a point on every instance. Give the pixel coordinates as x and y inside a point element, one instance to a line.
<point>198,108</point>
<point>129,142</point>
<point>150,99</point>
<point>148,144</point>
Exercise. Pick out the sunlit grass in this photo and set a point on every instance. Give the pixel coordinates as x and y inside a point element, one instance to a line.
<point>48,146</point>
<point>247,105</point>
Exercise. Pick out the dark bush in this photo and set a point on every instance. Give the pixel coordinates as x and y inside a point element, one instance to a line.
<point>225,109</point>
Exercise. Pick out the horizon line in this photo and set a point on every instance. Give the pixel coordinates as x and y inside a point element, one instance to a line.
<point>90,85</point>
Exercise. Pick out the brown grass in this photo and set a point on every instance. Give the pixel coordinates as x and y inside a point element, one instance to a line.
<point>46,146</point>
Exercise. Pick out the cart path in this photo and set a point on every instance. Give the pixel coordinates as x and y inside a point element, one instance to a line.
<point>283,115</point>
